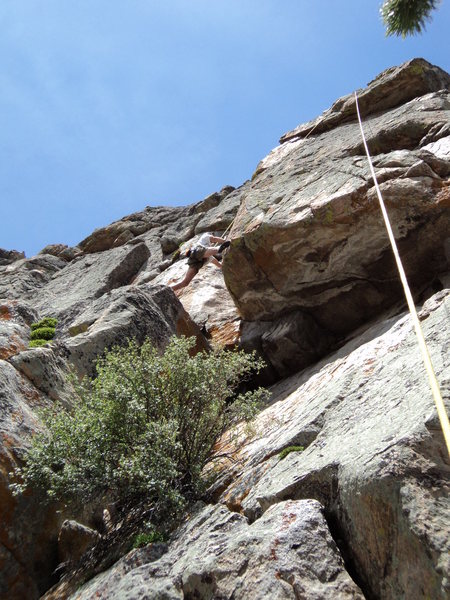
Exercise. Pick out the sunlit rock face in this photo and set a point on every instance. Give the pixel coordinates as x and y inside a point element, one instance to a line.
<point>373,454</point>
<point>309,235</point>
<point>357,509</point>
<point>310,283</point>
<point>208,302</point>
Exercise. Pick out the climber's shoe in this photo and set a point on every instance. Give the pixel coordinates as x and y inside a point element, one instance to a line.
<point>224,245</point>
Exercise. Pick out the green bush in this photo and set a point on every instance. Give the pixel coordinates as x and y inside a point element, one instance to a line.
<point>290,449</point>
<point>144,538</point>
<point>43,333</point>
<point>37,343</point>
<point>145,426</point>
<point>46,322</point>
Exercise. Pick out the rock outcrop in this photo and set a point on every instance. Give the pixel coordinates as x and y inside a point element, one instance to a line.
<point>371,486</point>
<point>358,507</point>
<point>288,553</point>
<point>309,239</point>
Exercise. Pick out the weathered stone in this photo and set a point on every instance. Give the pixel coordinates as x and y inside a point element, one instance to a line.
<point>212,201</point>
<point>28,527</point>
<point>207,301</point>
<point>62,251</point>
<point>46,370</point>
<point>288,344</point>
<point>54,249</point>
<point>220,217</point>
<point>309,235</point>
<point>288,553</point>
<point>74,540</point>
<point>391,88</point>
<point>122,231</point>
<point>9,256</point>
<point>374,457</point>
<point>127,313</point>
<point>24,278</point>
<point>15,321</point>
<point>82,281</point>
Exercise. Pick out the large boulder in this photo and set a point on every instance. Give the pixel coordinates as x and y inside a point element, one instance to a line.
<point>288,553</point>
<point>127,313</point>
<point>9,256</point>
<point>28,527</point>
<point>374,455</point>
<point>24,278</point>
<point>309,236</point>
<point>84,280</point>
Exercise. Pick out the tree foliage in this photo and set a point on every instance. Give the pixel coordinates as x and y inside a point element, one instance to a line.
<point>144,426</point>
<point>407,17</point>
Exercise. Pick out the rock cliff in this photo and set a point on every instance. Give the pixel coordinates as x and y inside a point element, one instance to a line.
<point>309,281</point>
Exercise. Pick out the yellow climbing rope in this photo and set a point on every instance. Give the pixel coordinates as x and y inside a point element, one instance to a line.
<point>443,418</point>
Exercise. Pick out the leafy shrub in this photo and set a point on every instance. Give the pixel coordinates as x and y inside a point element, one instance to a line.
<point>46,322</point>
<point>144,426</point>
<point>290,449</point>
<point>43,333</point>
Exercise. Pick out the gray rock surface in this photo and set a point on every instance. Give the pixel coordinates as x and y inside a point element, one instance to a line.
<point>288,553</point>
<point>15,320</point>
<point>130,312</point>
<point>374,454</point>
<point>82,281</point>
<point>23,279</point>
<point>9,256</point>
<point>74,540</point>
<point>309,277</point>
<point>309,235</point>
<point>28,528</point>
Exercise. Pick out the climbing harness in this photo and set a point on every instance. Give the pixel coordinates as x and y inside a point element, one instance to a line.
<point>443,418</point>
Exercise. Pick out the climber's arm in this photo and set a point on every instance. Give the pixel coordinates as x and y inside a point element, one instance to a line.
<point>216,240</point>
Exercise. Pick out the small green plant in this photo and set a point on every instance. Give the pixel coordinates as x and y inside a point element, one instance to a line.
<point>42,332</point>
<point>290,449</point>
<point>151,537</point>
<point>144,427</point>
<point>45,322</point>
<point>37,343</point>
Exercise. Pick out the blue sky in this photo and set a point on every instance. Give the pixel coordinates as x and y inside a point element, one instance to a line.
<point>107,106</point>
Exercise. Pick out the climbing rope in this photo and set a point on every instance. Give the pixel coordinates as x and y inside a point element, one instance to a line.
<point>224,234</point>
<point>443,418</point>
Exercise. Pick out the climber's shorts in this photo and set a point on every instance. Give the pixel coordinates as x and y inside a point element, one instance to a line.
<point>196,259</point>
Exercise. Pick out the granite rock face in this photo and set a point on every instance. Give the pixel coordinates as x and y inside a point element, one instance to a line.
<point>374,454</point>
<point>309,237</point>
<point>368,494</point>
<point>288,553</point>
<point>309,282</point>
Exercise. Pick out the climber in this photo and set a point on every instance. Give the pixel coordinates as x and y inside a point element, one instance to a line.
<point>199,254</point>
